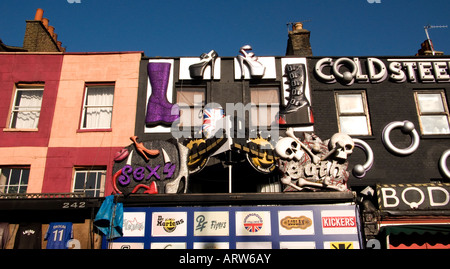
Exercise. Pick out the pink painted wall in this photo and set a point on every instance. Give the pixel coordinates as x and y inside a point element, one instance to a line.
<point>69,146</point>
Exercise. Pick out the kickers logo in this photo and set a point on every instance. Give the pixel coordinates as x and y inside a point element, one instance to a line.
<point>338,222</point>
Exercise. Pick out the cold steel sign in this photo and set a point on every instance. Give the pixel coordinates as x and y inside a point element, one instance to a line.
<point>350,70</point>
<point>406,197</point>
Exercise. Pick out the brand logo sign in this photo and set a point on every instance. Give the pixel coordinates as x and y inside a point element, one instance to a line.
<point>133,223</point>
<point>169,223</point>
<point>301,222</point>
<point>211,223</point>
<point>296,222</point>
<point>339,222</point>
<point>253,223</point>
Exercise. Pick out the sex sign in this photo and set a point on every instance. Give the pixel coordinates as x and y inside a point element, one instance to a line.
<point>151,167</point>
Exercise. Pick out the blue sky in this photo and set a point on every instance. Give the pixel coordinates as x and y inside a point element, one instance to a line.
<point>172,28</point>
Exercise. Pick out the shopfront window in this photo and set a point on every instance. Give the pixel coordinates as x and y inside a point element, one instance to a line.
<point>433,112</point>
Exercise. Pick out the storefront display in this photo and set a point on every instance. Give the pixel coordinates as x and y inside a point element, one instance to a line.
<point>239,227</point>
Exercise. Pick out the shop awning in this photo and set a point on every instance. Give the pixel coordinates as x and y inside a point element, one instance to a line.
<point>421,236</point>
<point>419,229</point>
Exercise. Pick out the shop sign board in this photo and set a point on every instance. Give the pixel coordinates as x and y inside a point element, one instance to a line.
<point>240,227</point>
<point>418,197</point>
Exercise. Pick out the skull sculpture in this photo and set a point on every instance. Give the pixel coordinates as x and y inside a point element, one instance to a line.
<point>288,148</point>
<point>342,145</point>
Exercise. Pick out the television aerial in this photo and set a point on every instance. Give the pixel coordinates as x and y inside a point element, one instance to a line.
<point>426,27</point>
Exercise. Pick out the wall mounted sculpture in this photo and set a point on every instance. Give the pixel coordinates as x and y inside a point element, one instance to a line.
<point>314,164</point>
<point>151,167</point>
<point>206,59</point>
<point>255,67</point>
<point>159,110</point>
<point>296,75</point>
<point>443,163</point>
<point>359,170</point>
<point>406,127</point>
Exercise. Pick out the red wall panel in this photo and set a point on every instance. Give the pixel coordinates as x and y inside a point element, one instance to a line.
<point>26,68</point>
<point>62,161</point>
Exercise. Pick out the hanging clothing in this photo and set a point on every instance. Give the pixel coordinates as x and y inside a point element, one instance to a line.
<point>109,219</point>
<point>58,234</point>
<point>4,234</point>
<point>29,236</point>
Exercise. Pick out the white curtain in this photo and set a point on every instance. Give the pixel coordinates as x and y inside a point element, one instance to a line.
<point>99,107</point>
<point>28,106</point>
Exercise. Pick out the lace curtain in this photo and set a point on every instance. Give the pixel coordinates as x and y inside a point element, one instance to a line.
<point>27,109</point>
<point>98,107</point>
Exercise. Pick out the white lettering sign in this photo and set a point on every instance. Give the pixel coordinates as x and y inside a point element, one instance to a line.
<point>348,71</point>
<point>418,196</point>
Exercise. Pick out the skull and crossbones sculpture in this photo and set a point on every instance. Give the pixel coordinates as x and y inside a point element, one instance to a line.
<point>313,163</point>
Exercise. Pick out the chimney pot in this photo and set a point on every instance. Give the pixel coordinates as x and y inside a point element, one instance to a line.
<point>45,22</point>
<point>51,30</point>
<point>298,26</point>
<point>39,14</point>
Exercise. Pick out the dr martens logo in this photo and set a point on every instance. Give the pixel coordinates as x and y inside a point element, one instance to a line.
<point>301,222</point>
<point>169,224</point>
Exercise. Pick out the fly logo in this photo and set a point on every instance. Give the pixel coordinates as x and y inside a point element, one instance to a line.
<point>341,245</point>
<point>338,222</point>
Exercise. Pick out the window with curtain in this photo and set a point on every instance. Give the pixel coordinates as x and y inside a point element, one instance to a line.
<point>90,181</point>
<point>14,179</point>
<point>27,107</point>
<point>353,113</point>
<point>191,102</point>
<point>265,105</point>
<point>98,107</point>
<point>433,112</point>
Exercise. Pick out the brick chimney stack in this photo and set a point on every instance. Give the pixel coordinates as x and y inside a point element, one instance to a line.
<point>39,36</point>
<point>298,42</point>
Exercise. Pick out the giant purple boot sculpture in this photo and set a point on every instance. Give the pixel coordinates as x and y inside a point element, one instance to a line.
<point>159,110</point>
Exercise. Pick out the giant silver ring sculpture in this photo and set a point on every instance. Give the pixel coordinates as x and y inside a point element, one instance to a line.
<point>340,61</point>
<point>443,163</point>
<point>406,127</point>
<point>360,170</point>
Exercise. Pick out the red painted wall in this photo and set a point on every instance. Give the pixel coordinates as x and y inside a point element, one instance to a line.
<point>15,68</point>
<point>62,161</point>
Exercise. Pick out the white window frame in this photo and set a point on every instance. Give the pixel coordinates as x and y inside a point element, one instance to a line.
<point>5,186</point>
<point>15,109</point>
<point>87,171</point>
<point>364,113</point>
<point>440,113</point>
<point>85,107</point>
